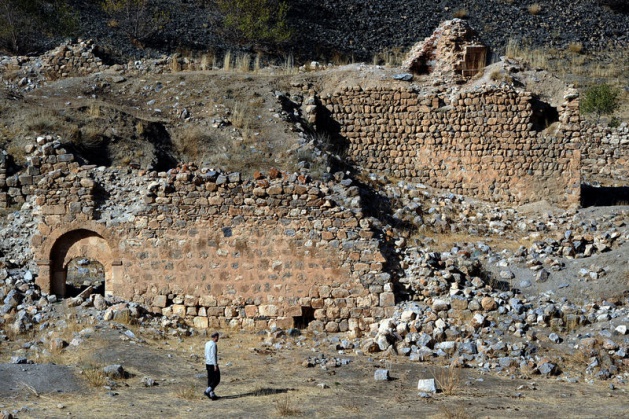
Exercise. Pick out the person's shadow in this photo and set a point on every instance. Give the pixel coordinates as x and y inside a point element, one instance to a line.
<point>259,392</point>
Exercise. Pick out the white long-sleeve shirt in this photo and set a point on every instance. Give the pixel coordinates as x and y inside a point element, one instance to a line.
<point>211,353</point>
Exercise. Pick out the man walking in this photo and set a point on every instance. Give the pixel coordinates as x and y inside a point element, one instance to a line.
<point>211,365</point>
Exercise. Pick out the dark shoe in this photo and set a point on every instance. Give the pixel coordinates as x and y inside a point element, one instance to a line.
<point>208,395</point>
<point>214,396</point>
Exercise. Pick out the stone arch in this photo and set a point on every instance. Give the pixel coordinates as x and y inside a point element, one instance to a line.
<point>72,244</point>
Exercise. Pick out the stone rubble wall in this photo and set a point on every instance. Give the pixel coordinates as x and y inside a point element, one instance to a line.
<point>480,143</point>
<point>215,249</point>
<point>605,155</point>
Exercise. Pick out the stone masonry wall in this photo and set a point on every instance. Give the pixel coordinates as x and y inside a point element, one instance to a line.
<point>479,143</point>
<point>605,155</point>
<point>213,248</point>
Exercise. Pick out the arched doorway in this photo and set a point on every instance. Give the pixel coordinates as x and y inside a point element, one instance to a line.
<point>82,273</point>
<point>78,245</point>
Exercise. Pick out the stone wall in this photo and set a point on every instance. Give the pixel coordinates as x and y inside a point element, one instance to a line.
<point>208,246</point>
<point>605,155</point>
<point>482,142</point>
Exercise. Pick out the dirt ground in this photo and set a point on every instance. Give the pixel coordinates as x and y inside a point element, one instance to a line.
<point>270,381</point>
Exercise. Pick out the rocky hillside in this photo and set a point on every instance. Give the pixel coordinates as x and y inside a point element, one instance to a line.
<point>358,29</point>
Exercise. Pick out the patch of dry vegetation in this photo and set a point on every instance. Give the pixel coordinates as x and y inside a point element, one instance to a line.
<point>448,378</point>
<point>284,407</point>
<point>187,392</point>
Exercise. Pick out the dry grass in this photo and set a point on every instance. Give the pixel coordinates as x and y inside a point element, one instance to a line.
<point>243,63</point>
<point>227,61</point>
<point>191,141</point>
<point>535,9</point>
<point>288,66</point>
<point>448,378</point>
<point>535,57</point>
<point>187,392</point>
<point>574,64</point>
<point>390,57</point>
<point>175,67</point>
<point>461,14</point>
<point>575,47</point>
<point>94,375</point>
<point>284,407</point>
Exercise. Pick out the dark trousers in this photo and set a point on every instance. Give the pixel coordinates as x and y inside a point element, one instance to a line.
<point>213,377</point>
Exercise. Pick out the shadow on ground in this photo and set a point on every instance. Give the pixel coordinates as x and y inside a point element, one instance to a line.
<point>260,392</point>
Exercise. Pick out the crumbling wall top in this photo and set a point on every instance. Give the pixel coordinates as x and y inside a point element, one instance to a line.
<point>453,53</point>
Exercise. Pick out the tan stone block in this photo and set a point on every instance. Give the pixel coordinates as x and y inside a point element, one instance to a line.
<point>190,300</point>
<point>331,327</point>
<point>179,310</point>
<point>215,311</point>
<point>251,311</point>
<point>191,311</point>
<point>317,303</point>
<point>333,312</point>
<point>160,301</point>
<point>268,310</point>
<point>319,314</point>
<point>207,301</point>
<point>293,310</point>
<point>284,322</point>
<point>340,293</point>
<point>387,299</point>
<point>201,322</point>
<point>324,291</point>
<point>230,312</point>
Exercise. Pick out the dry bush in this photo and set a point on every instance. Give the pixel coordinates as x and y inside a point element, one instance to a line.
<point>535,57</point>
<point>206,62</point>
<point>256,62</point>
<point>44,121</point>
<point>535,8</point>
<point>338,58</point>
<point>284,407</point>
<point>575,47</point>
<point>227,61</point>
<point>243,63</point>
<point>448,378</point>
<point>175,67</point>
<point>390,57</point>
<point>288,66</point>
<point>187,392</point>
<point>89,137</point>
<point>192,141</point>
<point>94,375</point>
<point>461,14</point>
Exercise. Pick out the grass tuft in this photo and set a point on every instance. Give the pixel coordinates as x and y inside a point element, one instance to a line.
<point>448,378</point>
<point>535,9</point>
<point>94,375</point>
<point>284,407</point>
<point>187,392</point>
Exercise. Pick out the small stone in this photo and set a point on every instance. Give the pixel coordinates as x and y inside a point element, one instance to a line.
<point>114,371</point>
<point>542,275</point>
<point>148,382</point>
<point>488,304</point>
<point>427,385</point>
<point>381,375</point>
<point>621,329</point>
<point>547,368</point>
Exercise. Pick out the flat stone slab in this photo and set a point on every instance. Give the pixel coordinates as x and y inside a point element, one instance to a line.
<point>44,378</point>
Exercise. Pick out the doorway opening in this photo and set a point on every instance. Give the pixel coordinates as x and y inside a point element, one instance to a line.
<point>83,273</point>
